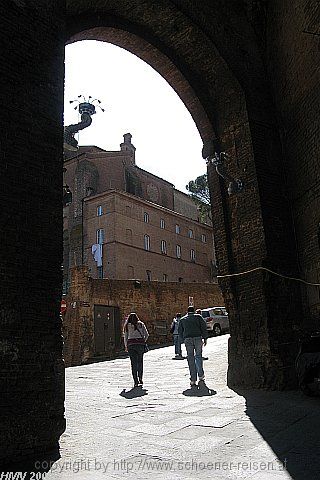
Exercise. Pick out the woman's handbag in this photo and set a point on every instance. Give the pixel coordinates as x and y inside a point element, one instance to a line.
<point>146,348</point>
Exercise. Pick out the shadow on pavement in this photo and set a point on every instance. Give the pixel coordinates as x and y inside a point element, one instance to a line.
<point>202,391</point>
<point>123,354</point>
<point>133,393</point>
<point>290,423</point>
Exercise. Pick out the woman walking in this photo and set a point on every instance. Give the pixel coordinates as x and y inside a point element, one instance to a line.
<point>135,337</point>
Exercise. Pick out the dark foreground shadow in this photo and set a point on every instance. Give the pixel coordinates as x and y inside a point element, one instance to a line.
<point>32,468</point>
<point>290,423</point>
<point>202,391</point>
<point>133,393</point>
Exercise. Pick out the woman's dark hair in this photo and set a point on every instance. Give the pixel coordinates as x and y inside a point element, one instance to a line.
<point>133,319</point>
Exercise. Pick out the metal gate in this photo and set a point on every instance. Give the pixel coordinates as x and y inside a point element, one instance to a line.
<point>107,332</point>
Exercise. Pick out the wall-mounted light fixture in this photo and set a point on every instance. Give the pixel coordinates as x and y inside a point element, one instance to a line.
<point>218,160</point>
<point>67,196</point>
<point>66,193</point>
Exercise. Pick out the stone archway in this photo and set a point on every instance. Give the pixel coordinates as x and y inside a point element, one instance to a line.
<point>223,85</point>
<point>219,51</point>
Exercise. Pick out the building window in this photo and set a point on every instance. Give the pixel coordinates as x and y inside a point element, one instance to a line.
<point>164,247</point>
<point>192,255</point>
<point>100,236</point>
<point>129,235</point>
<point>146,217</point>
<point>162,223</point>
<point>165,277</point>
<point>100,272</point>
<point>130,272</point>
<point>99,211</point>
<point>190,233</point>
<point>128,210</point>
<point>148,275</point>
<point>203,238</point>
<point>178,251</point>
<point>146,242</point>
<point>178,229</point>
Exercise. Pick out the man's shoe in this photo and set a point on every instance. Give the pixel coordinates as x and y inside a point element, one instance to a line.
<point>193,384</point>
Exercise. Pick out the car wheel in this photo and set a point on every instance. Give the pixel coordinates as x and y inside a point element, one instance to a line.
<point>217,330</point>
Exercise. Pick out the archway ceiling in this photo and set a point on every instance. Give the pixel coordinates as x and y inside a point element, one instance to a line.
<point>172,25</point>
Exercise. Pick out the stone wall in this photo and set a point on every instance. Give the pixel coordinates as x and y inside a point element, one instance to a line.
<point>294,70</point>
<point>31,99</point>
<point>156,303</point>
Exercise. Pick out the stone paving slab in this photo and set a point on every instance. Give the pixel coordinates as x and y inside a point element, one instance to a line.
<point>166,432</point>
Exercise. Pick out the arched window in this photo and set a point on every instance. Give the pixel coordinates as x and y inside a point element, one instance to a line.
<point>130,272</point>
<point>99,211</point>
<point>146,242</point>
<point>100,236</point>
<point>164,247</point>
<point>129,235</point>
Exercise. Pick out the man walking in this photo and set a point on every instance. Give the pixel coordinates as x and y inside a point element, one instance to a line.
<point>193,329</point>
<point>176,337</point>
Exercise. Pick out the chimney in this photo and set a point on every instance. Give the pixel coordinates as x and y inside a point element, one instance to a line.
<point>127,146</point>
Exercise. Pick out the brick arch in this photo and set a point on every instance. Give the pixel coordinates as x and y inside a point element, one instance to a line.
<point>165,38</point>
<point>222,82</point>
<point>214,47</point>
<point>161,63</point>
<point>219,86</point>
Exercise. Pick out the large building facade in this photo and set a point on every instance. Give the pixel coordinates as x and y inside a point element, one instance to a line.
<point>126,223</point>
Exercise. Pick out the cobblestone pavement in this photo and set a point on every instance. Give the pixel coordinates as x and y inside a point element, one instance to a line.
<point>167,431</point>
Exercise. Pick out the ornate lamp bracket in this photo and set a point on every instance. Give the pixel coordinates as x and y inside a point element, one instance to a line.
<point>218,160</point>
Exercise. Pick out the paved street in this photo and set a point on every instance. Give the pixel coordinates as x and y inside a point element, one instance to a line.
<point>166,432</point>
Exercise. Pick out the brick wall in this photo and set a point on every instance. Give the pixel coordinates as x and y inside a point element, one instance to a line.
<point>294,70</point>
<point>31,94</point>
<point>155,303</point>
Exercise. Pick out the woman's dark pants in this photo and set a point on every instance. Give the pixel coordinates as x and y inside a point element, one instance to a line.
<point>136,356</point>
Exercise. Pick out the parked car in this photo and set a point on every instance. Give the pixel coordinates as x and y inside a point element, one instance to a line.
<point>217,319</point>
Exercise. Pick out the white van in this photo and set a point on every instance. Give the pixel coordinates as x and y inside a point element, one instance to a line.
<point>217,319</point>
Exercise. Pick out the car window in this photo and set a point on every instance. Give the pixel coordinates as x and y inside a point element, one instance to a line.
<point>205,313</point>
<point>218,311</point>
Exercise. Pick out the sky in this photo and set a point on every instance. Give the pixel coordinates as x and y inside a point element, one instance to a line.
<point>138,100</point>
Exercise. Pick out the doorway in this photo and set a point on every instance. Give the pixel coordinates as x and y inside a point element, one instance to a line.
<point>107,331</point>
